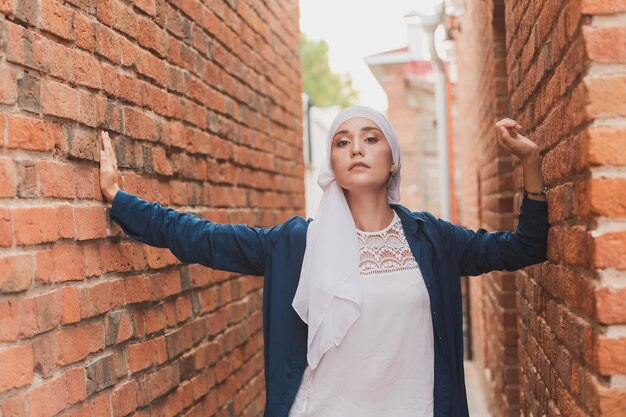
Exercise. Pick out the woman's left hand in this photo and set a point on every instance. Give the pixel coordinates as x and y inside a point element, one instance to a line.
<point>507,133</point>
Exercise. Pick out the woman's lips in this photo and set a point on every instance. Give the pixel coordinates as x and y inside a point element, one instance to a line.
<point>358,165</point>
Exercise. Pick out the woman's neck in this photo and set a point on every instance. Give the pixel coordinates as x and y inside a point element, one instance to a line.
<point>371,211</point>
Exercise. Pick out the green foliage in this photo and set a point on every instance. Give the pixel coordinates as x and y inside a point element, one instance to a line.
<point>324,87</point>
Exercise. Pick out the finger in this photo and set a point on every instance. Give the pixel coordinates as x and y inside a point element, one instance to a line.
<point>509,123</point>
<point>506,135</point>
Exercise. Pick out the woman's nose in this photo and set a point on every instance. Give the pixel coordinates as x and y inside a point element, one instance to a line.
<point>356,148</point>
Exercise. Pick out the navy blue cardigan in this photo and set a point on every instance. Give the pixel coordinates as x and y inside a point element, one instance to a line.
<point>444,252</point>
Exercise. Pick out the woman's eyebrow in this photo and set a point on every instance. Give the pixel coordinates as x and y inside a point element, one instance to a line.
<point>368,128</point>
<point>363,129</point>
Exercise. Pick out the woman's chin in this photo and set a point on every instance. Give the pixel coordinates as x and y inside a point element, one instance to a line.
<point>364,187</point>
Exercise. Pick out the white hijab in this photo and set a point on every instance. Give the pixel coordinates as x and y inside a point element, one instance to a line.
<point>329,294</point>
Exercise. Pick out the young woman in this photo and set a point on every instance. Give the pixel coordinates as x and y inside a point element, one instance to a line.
<point>362,305</point>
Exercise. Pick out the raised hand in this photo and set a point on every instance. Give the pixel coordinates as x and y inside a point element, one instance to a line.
<point>108,168</point>
<point>508,136</point>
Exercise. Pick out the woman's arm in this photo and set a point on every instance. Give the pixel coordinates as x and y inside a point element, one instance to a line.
<point>229,247</point>
<point>478,252</point>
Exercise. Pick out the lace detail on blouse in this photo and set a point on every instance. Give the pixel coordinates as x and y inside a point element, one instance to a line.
<point>386,250</point>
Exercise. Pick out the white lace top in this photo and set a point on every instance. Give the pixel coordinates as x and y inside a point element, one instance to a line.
<point>385,364</point>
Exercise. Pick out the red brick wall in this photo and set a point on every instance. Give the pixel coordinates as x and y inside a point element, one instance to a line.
<point>203,107</point>
<point>567,86</point>
<point>486,197</point>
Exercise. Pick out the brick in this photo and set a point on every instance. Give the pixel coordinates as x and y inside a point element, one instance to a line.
<point>152,67</point>
<point>48,399</point>
<point>44,266</point>
<point>89,185</point>
<point>87,111</point>
<point>60,100</point>
<point>84,144</point>
<point>55,137</point>
<point>33,225</point>
<point>26,133</point>
<point>56,179</point>
<point>161,162</point>
<point>57,19</point>
<point>124,399</point>
<point>125,19</point>
<point>16,273</point>
<point>54,57</point>
<point>9,320</point>
<point>91,260</point>
<point>607,197</point>
<point>605,95</point>
<point>108,43</point>
<point>609,249</point>
<point>147,6</point>
<point>118,327</point>
<point>612,402</point>
<point>8,86</point>
<point>115,257</point>
<point>603,43</point>
<point>95,300</point>
<point>14,406</point>
<point>16,46</point>
<point>26,178</point>
<point>101,405</point>
<point>610,356</point>
<point>6,7</point>
<point>138,289</point>
<point>70,311</point>
<point>85,31</point>
<point>149,320</point>
<point>75,343</point>
<point>141,125</point>
<point>40,313</point>
<point>183,308</point>
<point>65,221</point>
<point>7,178</point>
<point>165,284</point>
<point>602,6</point>
<point>140,355</point>
<point>85,69</point>
<point>603,146</point>
<point>160,350</point>
<point>28,91</point>
<point>17,369</point>
<point>101,374</point>
<point>90,222</point>
<point>163,381</point>
<point>76,388</point>
<point>69,263</point>
<point>43,350</point>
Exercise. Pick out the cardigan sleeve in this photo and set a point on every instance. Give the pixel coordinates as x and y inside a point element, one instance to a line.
<point>478,252</point>
<point>229,247</point>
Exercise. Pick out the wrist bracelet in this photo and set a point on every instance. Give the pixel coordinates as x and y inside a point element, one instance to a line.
<point>542,192</point>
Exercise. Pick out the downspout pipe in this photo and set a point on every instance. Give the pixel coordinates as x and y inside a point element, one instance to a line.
<point>430,24</point>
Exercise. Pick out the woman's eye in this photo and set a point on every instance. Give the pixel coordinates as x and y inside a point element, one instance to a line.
<point>374,139</point>
<point>341,142</point>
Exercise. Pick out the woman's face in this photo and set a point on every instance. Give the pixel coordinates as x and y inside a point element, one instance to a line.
<point>360,140</point>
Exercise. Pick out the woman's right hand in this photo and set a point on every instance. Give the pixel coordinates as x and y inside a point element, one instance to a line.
<point>108,168</point>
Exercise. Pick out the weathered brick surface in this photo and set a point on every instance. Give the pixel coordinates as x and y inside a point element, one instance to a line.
<point>202,102</point>
<point>551,335</point>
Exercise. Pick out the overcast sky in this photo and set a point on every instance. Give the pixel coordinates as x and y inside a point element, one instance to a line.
<point>355,29</point>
